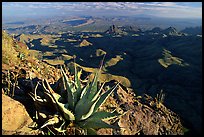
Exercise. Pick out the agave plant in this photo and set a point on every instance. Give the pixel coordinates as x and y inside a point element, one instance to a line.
<point>77,104</point>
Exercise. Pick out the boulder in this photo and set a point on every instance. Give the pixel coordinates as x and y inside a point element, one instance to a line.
<point>15,119</point>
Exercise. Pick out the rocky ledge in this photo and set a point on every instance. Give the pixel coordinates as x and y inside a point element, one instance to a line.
<point>140,115</point>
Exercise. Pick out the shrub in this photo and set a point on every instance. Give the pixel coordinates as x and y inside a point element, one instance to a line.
<point>77,105</point>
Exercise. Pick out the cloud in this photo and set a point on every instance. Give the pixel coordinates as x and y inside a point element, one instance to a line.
<point>162,9</point>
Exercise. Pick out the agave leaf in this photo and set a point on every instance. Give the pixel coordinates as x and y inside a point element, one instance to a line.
<point>33,125</point>
<point>49,87</point>
<point>83,108</point>
<point>60,85</point>
<point>80,108</point>
<point>38,101</point>
<point>70,90</point>
<point>88,99</point>
<point>97,93</point>
<point>67,113</point>
<point>50,99</point>
<point>91,131</point>
<point>60,129</point>
<point>78,83</point>
<point>67,82</point>
<point>35,97</point>
<point>93,87</point>
<point>103,97</point>
<point>51,121</point>
<point>90,110</point>
<point>49,96</point>
<point>102,115</point>
<point>84,90</point>
<point>96,124</point>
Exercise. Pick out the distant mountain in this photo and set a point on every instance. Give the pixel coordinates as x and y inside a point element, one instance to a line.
<point>121,30</point>
<point>31,29</point>
<point>113,30</point>
<point>156,30</point>
<point>170,31</point>
<point>193,30</point>
<point>129,29</point>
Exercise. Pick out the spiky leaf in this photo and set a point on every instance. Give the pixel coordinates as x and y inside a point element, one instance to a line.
<point>83,108</point>
<point>78,83</point>
<point>103,97</point>
<point>84,90</point>
<point>90,106</point>
<point>93,87</point>
<point>103,115</point>
<point>90,110</point>
<point>60,129</point>
<point>67,113</point>
<point>48,95</point>
<point>96,124</point>
<point>51,121</point>
<point>98,93</point>
<point>70,90</point>
<point>91,131</point>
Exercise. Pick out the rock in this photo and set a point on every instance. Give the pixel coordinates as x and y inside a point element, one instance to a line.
<point>140,116</point>
<point>15,119</point>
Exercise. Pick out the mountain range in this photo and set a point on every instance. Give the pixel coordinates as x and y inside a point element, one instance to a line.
<point>146,60</point>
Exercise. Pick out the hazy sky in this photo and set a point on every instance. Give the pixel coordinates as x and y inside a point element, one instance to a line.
<point>160,9</point>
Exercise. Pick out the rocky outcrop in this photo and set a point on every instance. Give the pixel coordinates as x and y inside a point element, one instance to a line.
<point>172,31</point>
<point>114,30</point>
<point>140,116</point>
<point>15,119</point>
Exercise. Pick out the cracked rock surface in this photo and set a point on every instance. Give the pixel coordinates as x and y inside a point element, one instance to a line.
<point>140,116</point>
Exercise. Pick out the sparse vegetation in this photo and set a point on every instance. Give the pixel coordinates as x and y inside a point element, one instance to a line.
<point>10,55</point>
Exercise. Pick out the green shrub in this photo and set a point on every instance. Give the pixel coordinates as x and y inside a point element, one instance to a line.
<point>77,105</point>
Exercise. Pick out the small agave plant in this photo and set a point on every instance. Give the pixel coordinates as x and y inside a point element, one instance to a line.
<point>77,105</point>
